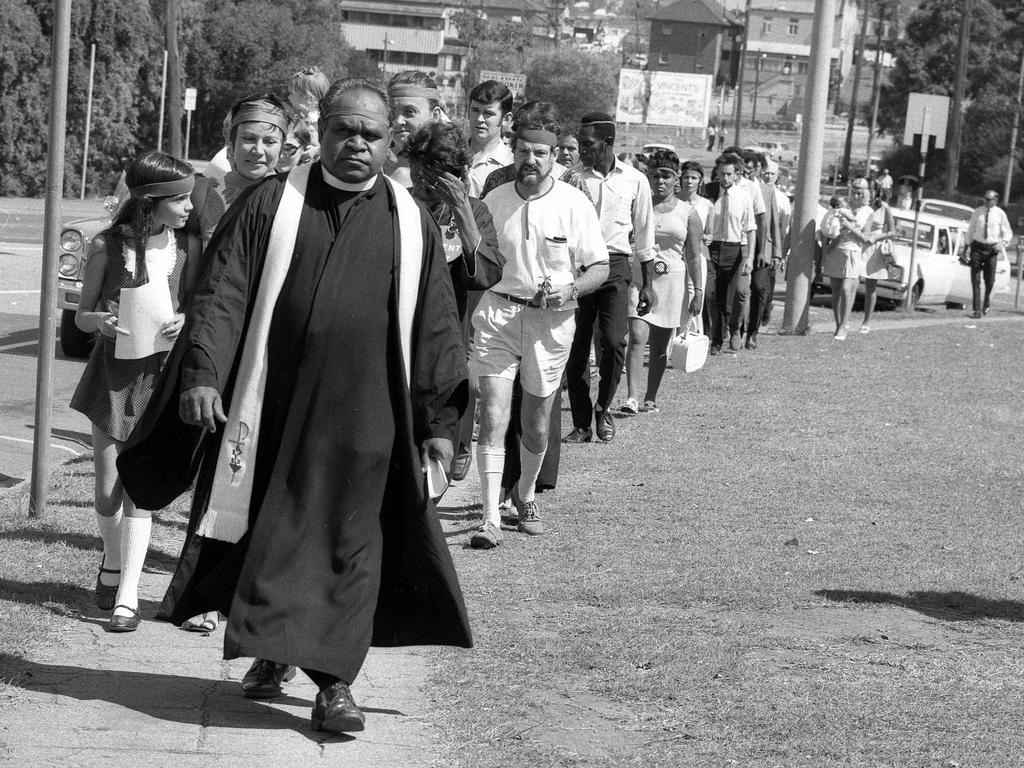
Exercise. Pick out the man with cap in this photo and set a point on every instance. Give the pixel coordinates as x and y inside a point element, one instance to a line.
<point>554,255</point>
<point>320,375</point>
<point>988,235</point>
<point>622,196</point>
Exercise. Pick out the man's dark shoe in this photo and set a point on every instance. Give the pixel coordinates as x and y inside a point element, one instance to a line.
<point>605,426</point>
<point>976,315</point>
<point>716,349</point>
<point>463,461</point>
<point>264,678</point>
<point>751,342</point>
<point>579,435</point>
<point>734,342</point>
<point>335,711</point>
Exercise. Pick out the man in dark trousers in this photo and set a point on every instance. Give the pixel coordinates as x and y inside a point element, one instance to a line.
<point>320,375</point>
<point>988,234</point>
<point>622,196</point>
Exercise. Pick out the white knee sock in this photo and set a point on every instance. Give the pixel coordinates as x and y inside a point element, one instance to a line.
<point>490,462</point>
<point>529,463</point>
<point>110,533</point>
<point>134,543</point>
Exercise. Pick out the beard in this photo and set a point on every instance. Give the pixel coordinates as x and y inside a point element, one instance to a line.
<point>531,176</point>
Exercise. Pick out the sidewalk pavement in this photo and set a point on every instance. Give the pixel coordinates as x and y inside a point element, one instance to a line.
<point>160,697</point>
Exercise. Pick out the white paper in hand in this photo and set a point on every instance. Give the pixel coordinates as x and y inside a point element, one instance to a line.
<point>143,312</point>
<point>437,478</point>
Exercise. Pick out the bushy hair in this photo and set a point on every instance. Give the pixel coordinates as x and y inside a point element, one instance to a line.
<point>135,218</point>
<point>691,165</point>
<point>538,115</point>
<point>441,147</point>
<point>311,83</point>
<point>490,91</point>
<point>347,84</point>
<point>663,158</point>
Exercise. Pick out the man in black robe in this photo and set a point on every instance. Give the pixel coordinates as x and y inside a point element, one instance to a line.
<point>342,547</point>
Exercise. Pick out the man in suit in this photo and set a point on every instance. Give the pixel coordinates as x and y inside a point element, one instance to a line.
<point>773,253</point>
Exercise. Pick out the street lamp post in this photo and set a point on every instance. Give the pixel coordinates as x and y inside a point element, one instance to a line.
<point>384,63</point>
<point>757,84</point>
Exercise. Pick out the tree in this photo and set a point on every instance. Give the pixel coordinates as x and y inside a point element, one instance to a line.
<point>575,81</point>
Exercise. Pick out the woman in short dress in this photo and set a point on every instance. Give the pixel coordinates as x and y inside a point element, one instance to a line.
<point>658,303</point>
<point>146,245</point>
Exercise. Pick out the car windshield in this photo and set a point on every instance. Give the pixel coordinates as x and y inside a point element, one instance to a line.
<point>905,232</point>
<point>952,210</point>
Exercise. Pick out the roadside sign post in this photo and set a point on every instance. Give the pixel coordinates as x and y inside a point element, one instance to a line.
<point>190,105</point>
<point>88,119</point>
<point>930,114</point>
<point>1020,263</point>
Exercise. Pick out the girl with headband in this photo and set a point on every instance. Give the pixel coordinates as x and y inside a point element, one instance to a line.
<point>145,245</point>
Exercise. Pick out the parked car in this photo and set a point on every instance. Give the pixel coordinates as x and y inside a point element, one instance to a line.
<point>939,277</point>
<point>75,238</point>
<point>945,208</point>
<point>779,151</point>
<point>650,149</point>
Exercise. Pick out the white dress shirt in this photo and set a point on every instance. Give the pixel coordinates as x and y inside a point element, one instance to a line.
<point>989,226</point>
<point>492,157</point>
<point>732,216</point>
<point>624,206</point>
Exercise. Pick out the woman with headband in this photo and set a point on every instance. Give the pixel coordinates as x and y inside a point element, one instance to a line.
<point>146,246</point>
<point>416,100</point>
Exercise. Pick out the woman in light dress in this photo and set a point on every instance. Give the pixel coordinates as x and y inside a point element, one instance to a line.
<point>658,304</point>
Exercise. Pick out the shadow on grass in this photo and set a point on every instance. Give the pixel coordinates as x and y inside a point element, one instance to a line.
<point>155,558</point>
<point>63,599</point>
<point>946,606</point>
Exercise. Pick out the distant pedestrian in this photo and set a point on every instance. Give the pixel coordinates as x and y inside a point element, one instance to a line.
<point>885,186</point>
<point>880,228</point>
<point>988,236</point>
<point>906,188</point>
<point>712,134</point>
<point>144,256</point>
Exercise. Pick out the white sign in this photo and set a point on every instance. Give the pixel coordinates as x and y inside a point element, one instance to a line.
<point>143,311</point>
<point>632,102</point>
<point>514,81</point>
<point>927,115</point>
<point>190,99</point>
<point>679,99</point>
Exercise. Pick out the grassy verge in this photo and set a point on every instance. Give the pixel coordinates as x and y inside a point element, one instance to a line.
<point>811,557</point>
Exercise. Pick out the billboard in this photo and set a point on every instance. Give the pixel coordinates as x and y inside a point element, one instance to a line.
<point>514,81</point>
<point>676,99</point>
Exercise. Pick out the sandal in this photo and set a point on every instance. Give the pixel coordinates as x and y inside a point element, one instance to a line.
<point>106,594</point>
<point>200,623</point>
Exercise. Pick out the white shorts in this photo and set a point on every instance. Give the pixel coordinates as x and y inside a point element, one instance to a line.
<point>510,337</point>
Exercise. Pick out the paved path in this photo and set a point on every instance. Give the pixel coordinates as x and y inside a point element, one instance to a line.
<point>163,697</point>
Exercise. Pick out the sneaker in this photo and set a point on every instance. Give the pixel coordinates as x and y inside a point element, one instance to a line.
<point>840,335</point>
<point>579,435</point>
<point>487,536</point>
<point>650,407</point>
<point>630,406</point>
<point>605,426</point>
<point>865,329</point>
<point>529,518</point>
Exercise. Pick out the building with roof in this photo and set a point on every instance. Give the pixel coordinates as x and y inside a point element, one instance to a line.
<point>694,36</point>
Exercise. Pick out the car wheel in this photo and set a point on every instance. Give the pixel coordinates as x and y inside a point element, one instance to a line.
<point>74,342</point>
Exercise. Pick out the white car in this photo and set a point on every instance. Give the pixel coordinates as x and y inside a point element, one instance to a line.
<point>779,151</point>
<point>939,277</point>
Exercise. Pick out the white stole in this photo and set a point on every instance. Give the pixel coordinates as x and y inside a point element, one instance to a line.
<point>227,514</point>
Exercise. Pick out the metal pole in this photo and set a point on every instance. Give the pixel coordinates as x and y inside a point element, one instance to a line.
<point>852,120</point>
<point>1020,263</point>
<point>739,80</point>
<point>163,99</point>
<point>953,169</point>
<point>51,237</point>
<point>911,279</point>
<point>1012,157</point>
<point>188,131</point>
<point>759,61</point>
<point>808,182</point>
<point>876,90</point>
<point>88,120</point>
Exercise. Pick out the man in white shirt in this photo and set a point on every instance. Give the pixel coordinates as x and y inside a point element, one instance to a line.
<point>773,256</point>
<point>733,241</point>
<point>988,234</point>
<point>554,254</point>
<point>490,112</point>
<point>622,196</point>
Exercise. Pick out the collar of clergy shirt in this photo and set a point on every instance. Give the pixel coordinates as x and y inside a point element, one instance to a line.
<point>333,181</point>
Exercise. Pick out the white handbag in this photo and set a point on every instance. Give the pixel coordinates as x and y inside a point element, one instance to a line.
<point>690,348</point>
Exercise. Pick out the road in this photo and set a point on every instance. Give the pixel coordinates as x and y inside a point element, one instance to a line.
<point>21,228</point>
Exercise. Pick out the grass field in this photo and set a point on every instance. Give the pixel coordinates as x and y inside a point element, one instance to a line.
<point>811,557</point>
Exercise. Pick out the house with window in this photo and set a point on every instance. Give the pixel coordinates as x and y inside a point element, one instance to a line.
<point>401,35</point>
<point>694,36</point>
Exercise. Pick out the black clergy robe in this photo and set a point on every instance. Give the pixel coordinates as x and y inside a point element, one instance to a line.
<point>343,549</point>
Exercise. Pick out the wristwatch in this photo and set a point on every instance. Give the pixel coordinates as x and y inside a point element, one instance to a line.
<point>574,292</point>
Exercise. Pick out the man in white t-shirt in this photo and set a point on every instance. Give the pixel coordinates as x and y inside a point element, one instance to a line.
<point>551,238</point>
<point>490,112</point>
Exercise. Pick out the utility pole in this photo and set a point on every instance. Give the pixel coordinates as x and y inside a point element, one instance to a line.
<point>174,103</point>
<point>876,90</point>
<point>808,181</point>
<point>1012,157</point>
<point>953,169</point>
<point>739,79</point>
<point>859,54</point>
